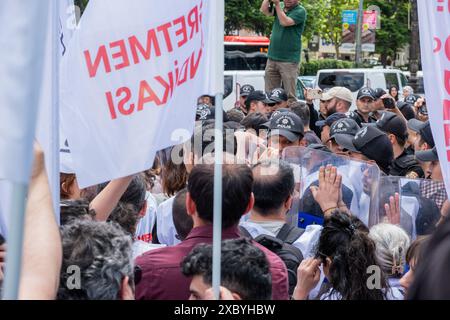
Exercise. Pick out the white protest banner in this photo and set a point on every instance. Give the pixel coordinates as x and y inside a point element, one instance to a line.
<point>62,23</point>
<point>434,22</point>
<point>20,78</point>
<point>130,82</point>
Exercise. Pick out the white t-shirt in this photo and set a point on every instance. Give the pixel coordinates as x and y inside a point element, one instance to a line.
<point>146,223</point>
<point>391,294</point>
<point>164,223</point>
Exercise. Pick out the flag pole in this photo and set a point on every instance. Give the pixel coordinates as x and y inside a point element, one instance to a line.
<point>54,137</point>
<point>218,141</point>
<point>31,18</point>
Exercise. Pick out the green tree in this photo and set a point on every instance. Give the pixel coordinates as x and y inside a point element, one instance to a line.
<point>394,33</point>
<point>81,4</point>
<point>240,14</point>
<point>331,28</point>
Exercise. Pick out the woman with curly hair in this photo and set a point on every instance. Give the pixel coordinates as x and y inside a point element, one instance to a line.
<point>348,258</point>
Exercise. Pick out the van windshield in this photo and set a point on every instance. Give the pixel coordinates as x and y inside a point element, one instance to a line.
<point>245,57</point>
<point>351,80</point>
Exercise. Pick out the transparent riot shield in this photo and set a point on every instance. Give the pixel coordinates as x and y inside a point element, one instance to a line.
<point>421,202</point>
<point>360,182</point>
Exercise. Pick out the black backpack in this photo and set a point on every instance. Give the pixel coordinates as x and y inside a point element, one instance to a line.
<point>282,246</point>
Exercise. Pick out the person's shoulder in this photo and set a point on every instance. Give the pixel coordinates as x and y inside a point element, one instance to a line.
<point>301,8</point>
<point>406,161</point>
<point>164,257</point>
<point>274,260</point>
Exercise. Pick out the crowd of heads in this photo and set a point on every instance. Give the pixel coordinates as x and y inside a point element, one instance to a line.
<point>260,190</point>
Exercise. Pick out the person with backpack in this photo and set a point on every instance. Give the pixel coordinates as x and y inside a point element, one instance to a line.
<point>273,189</point>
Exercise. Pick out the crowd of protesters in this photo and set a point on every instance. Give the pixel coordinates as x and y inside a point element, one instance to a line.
<point>148,236</point>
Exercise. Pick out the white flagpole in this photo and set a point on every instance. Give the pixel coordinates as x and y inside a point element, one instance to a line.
<point>27,25</point>
<point>218,85</point>
<point>54,137</point>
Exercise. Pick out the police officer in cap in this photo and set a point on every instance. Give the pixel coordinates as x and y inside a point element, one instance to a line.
<point>364,102</point>
<point>245,91</point>
<point>280,97</point>
<point>404,164</point>
<point>377,105</point>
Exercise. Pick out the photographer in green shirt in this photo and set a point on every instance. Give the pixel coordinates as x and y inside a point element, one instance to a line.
<point>285,44</point>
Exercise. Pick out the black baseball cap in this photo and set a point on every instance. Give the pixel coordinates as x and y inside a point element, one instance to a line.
<point>258,95</point>
<point>375,145</point>
<point>205,112</point>
<point>378,93</point>
<point>278,95</point>
<point>416,125</point>
<point>427,135</point>
<point>246,89</point>
<point>411,99</point>
<point>365,92</point>
<point>288,125</point>
<point>391,123</point>
<point>343,131</point>
<point>331,119</point>
<point>427,155</point>
<point>274,114</point>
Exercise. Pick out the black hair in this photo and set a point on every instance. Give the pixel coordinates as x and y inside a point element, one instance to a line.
<point>237,183</point>
<point>408,112</point>
<point>345,241</point>
<point>101,252</point>
<point>182,221</point>
<point>427,217</point>
<point>244,268</point>
<point>302,111</point>
<point>134,194</point>
<point>431,281</point>
<point>390,90</point>
<point>75,210</point>
<point>415,249</point>
<point>173,177</point>
<point>273,184</point>
<point>205,134</point>
<point>126,216</point>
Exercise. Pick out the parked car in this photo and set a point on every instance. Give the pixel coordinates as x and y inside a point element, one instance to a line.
<point>355,79</point>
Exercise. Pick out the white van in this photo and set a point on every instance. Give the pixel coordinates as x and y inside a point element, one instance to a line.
<point>355,79</point>
<point>234,80</point>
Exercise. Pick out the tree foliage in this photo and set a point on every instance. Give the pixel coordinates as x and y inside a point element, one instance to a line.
<point>394,33</point>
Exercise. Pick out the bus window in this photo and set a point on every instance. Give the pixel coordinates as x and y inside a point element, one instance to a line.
<point>245,57</point>
<point>391,80</point>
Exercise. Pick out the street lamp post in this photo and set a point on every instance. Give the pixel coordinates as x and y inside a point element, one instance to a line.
<point>358,49</point>
<point>414,48</point>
